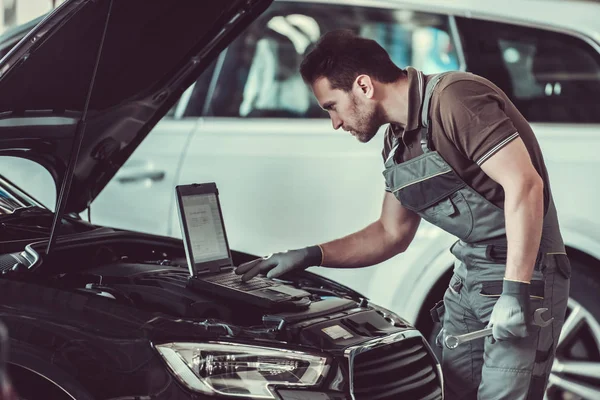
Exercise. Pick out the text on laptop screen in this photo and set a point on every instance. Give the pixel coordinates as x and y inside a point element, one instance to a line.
<point>205,230</point>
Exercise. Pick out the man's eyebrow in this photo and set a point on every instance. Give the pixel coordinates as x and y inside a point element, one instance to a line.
<point>328,105</point>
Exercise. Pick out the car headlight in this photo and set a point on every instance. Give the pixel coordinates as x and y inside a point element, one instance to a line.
<point>237,370</point>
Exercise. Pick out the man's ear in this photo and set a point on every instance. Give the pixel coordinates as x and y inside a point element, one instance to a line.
<point>364,85</point>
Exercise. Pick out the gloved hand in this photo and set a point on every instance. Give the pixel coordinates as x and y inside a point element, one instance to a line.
<point>278,264</point>
<point>511,316</point>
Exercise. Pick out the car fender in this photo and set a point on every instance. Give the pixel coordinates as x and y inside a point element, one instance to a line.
<point>582,235</point>
<point>405,280</point>
<point>37,362</point>
<point>409,300</point>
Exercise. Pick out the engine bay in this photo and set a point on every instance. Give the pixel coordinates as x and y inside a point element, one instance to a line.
<point>150,274</point>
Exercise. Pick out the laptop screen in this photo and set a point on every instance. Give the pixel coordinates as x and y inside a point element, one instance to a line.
<point>206,233</point>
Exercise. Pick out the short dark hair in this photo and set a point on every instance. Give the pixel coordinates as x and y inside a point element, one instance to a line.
<point>341,56</point>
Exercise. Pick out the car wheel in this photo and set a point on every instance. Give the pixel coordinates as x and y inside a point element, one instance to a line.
<point>576,370</point>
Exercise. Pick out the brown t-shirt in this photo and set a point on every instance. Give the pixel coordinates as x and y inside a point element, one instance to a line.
<point>472,119</point>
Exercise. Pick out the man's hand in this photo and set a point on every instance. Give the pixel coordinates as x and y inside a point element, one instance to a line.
<point>278,264</point>
<point>511,316</point>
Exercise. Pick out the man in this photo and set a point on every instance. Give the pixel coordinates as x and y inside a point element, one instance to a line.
<point>460,155</point>
<point>6,390</point>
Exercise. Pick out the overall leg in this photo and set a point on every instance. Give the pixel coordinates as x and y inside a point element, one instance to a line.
<point>461,366</point>
<point>518,369</point>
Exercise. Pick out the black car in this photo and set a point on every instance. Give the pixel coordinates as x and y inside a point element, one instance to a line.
<point>101,313</point>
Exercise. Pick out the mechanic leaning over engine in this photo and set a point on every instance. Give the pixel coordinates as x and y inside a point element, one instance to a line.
<point>458,154</point>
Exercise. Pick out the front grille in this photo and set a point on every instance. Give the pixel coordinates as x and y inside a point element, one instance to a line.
<point>399,369</point>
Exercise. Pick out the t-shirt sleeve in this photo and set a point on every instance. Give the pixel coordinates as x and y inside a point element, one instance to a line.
<point>473,117</point>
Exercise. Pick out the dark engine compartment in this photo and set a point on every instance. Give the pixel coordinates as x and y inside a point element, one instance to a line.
<point>150,274</point>
<point>109,295</point>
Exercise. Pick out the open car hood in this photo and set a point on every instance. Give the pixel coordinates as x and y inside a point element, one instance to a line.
<point>153,50</point>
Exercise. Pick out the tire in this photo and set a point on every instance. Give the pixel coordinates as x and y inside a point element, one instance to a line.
<point>580,339</point>
<point>576,370</point>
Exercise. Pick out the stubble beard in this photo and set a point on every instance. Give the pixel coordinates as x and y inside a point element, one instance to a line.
<point>368,121</point>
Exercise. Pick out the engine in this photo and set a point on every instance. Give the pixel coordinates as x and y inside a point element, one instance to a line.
<point>151,274</point>
<point>148,277</point>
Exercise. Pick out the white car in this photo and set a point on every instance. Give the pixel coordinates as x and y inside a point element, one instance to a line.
<point>288,180</point>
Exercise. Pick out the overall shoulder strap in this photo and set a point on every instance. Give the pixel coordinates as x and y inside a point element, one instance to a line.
<point>426,143</point>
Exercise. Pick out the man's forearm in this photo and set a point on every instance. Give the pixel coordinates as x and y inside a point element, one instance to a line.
<point>369,246</point>
<point>524,214</point>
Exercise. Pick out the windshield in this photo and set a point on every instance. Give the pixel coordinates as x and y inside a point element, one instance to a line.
<point>12,197</point>
<point>24,183</point>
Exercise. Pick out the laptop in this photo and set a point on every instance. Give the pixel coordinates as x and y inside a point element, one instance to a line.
<point>209,257</point>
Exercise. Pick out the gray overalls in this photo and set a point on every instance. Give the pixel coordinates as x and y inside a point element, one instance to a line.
<point>515,369</point>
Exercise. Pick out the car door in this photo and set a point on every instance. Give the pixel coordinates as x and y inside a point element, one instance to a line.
<point>286,178</point>
<point>553,78</point>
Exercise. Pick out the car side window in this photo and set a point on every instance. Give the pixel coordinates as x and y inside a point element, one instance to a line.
<point>549,76</point>
<point>30,177</point>
<point>258,74</point>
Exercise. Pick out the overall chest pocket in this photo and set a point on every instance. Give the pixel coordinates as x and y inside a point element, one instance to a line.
<point>437,198</point>
<point>451,214</point>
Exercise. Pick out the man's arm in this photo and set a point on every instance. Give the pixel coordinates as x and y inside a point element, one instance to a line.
<point>523,188</point>
<point>473,117</point>
<point>389,235</point>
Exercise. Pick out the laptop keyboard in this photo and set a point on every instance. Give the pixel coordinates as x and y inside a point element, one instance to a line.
<point>234,281</point>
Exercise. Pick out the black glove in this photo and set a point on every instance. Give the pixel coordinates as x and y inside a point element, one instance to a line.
<point>511,316</point>
<point>278,264</point>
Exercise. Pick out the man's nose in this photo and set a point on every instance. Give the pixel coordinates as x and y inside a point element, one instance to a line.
<point>336,122</point>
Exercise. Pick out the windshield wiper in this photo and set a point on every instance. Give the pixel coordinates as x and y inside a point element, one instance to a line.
<point>29,212</point>
<point>30,209</point>
<point>25,212</point>
<point>35,229</point>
